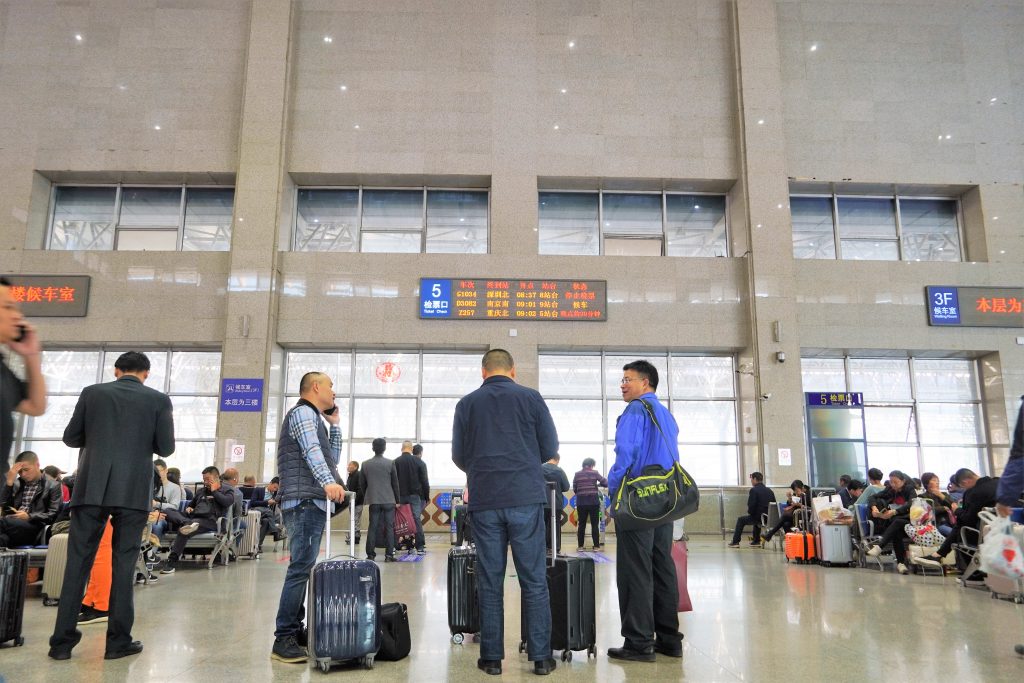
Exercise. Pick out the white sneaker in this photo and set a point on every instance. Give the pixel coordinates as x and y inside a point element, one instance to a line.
<point>189,529</point>
<point>901,568</point>
<point>874,551</point>
<point>924,561</point>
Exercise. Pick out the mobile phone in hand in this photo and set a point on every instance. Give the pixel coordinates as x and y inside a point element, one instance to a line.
<point>331,411</point>
<point>22,331</point>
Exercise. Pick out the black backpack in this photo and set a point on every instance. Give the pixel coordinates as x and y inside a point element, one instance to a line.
<point>395,641</point>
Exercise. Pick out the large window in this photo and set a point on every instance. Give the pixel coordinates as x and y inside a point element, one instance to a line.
<point>631,224</point>
<point>875,228</point>
<point>584,396</point>
<point>395,395</point>
<point>136,218</point>
<point>921,414</point>
<point>392,220</point>
<point>191,378</point>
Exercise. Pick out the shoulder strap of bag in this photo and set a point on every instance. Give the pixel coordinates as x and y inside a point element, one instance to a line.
<point>650,413</point>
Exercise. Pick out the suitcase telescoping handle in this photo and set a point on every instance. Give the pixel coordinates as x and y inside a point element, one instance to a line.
<point>553,491</point>
<point>351,495</point>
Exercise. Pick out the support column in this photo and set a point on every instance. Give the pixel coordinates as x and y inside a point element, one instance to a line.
<point>252,301</point>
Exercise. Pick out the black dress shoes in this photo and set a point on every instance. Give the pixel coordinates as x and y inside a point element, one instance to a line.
<point>491,667</point>
<point>133,648</point>
<point>630,655</point>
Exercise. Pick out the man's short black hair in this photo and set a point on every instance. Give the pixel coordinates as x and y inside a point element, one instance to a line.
<point>275,480</point>
<point>963,474</point>
<point>497,359</point>
<point>757,476</point>
<point>4,282</point>
<point>417,449</point>
<point>844,480</point>
<point>875,474</point>
<point>159,463</point>
<point>855,485</point>
<point>645,370</point>
<point>211,470</point>
<point>132,361</point>
<point>379,445</point>
<point>27,456</point>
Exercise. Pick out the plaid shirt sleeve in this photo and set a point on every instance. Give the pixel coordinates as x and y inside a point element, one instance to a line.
<point>302,427</point>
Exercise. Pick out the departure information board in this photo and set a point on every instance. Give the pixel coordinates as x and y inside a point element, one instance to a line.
<point>514,299</point>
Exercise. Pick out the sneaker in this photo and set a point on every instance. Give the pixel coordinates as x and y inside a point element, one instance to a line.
<point>755,544</point>
<point>390,558</point>
<point>91,615</point>
<point>733,545</point>
<point>580,549</point>
<point>874,551</point>
<point>287,650</point>
<point>168,567</point>
<point>901,568</point>
<point>543,667</point>
<point>631,655</point>
<point>421,551</point>
<point>189,529</point>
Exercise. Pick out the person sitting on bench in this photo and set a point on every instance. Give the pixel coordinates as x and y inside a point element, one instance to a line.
<point>210,502</point>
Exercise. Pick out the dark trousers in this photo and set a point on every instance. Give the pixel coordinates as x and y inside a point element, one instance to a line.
<point>744,521</point>
<point>785,522</point>
<point>378,513</point>
<point>584,513</point>
<point>896,535</point>
<point>15,532</point>
<point>547,532</point>
<point>648,595</point>
<point>178,520</point>
<point>87,524</point>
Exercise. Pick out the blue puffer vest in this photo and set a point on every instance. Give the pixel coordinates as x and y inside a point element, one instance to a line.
<point>297,480</point>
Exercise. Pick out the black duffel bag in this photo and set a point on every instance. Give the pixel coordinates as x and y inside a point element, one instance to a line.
<point>395,641</point>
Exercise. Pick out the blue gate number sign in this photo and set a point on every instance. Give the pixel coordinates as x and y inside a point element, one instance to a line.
<point>435,298</point>
<point>241,395</point>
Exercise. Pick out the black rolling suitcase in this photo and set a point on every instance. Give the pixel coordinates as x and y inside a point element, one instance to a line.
<point>463,605</point>
<point>13,577</point>
<point>571,591</point>
<point>344,608</point>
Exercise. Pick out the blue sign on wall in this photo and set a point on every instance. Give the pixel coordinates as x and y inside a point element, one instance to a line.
<point>943,306</point>
<point>435,298</point>
<point>241,395</point>
<point>835,399</point>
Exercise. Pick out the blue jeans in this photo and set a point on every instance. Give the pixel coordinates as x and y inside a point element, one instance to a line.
<point>305,523</point>
<point>416,504</point>
<point>521,527</point>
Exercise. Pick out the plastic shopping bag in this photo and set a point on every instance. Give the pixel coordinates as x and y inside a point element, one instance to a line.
<point>1001,552</point>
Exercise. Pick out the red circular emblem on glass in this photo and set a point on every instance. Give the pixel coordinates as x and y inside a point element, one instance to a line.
<point>388,372</point>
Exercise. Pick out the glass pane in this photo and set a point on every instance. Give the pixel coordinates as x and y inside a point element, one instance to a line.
<point>391,418</point>
<point>945,460</point>
<point>613,374</point>
<point>453,374</point>
<point>632,214</point>
<point>344,408</point>
<point>951,423</point>
<point>195,417</point>
<point>53,453</point>
<point>631,247</point>
<point>891,424</point>
<point>567,223</point>
<point>830,460</point>
<point>889,458</point>
<point>337,366</point>
<point>570,375</point>
<point>392,210</point>
<point>823,374</point>
<point>866,218</point>
<point>191,457</point>
<point>456,222</point>
<point>703,421</point>
<point>68,372</point>
<point>576,420</point>
<point>930,231</point>
<point>710,465</point>
<point>702,377</point>
<point>813,236</point>
<point>195,372</point>
<point>945,380</point>
<point>387,374</point>
<point>440,469</point>
<point>696,225</point>
<point>868,250</point>
<point>880,379</point>
<point>147,240</point>
<point>51,424</point>
<point>150,206</point>
<point>436,416</point>
<point>327,220</point>
<point>390,242</point>
<point>269,461</point>
<point>572,456</point>
<point>208,219</point>
<point>83,218</point>
<point>835,423</point>
<point>157,368</point>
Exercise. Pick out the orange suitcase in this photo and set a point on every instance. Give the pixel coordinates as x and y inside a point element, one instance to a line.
<point>800,546</point>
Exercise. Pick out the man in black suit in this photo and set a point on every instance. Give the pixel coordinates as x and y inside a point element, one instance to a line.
<point>118,426</point>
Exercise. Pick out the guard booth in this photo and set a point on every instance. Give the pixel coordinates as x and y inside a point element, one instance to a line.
<point>835,436</point>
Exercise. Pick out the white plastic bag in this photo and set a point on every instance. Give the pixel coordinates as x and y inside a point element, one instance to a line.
<point>1001,552</point>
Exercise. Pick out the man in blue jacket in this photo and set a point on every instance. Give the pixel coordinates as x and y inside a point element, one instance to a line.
<point>1011,484</point>
<point>644,571</point>
<point>501,435</point>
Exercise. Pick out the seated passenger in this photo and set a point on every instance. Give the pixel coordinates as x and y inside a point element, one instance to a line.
<point>890,511</point>
<point>55,473</point>
<point>29,501</point>
<point>166,497</point>
<point>873,488</point>
<point>269,522</point>
<point>979,493</point>
<point>843,490</point>
<point>210,502</point>
<point>854,489</point>
<point>759,499</point>
<point>249,480</point>
<point>229,482</point>
<point>942,504</point>
<point>798,497</point>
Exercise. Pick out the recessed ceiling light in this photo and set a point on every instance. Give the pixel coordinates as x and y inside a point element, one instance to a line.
<point>556,126</point>
<point>328,39</point>
<point>759,225</point>
<point>994,99</point>
<point>696,206</point>
<point>242,220</point>
<point>316,220</point>
<point>948,136</point>
<point>564,90</point>
<point>760,122</point>
<point>1002,251</point>
<point>122,87</point>
<point>572,44</point>
<point>462,220</point>
<point>814,47</point>
<point>995,218</point>
<point>356,126</point>
<point>156,127</point>
<point>78,37</point>
<point>779,206</point>
<point>344,87</point>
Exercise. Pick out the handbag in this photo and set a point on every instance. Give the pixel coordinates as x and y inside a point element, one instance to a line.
<point>395,641</point>
<point>658,495</point>
<point>679,559</point>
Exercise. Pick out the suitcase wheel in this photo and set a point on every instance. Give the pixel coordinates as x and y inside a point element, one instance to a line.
<point>476,637</point>
<point>522,647</point>
<point>19,641</point>
<point>566,655</point>
<point>592,650</point>
<point>324,665</point>
<point>368,661</point>
<point>826,564</point>
<point>457,638</point>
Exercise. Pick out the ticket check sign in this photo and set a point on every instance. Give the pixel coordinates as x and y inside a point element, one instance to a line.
<point>950,306</point>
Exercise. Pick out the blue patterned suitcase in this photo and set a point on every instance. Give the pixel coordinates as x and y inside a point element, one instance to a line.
<point>344,609</point>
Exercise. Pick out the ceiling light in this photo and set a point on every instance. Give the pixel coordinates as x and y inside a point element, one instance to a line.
<point>995,218</point>
<point>994,99</point>
<point>556,126</point>
<point>462,220</point>
<point>572,44</point>
<point>948,136</point>
<point>759,225</point>
<point>564,90</point>
<point>779,206</point>
<point>344,87</point>
<point>78,37</point>
<point>356,126</point>
<point>156,127</point>
<point>814,47</point>
<point>696,206</point>
<point>328,39</point>
<point>1002,251</point>
<point>122,87</point>
<point>760,122</point>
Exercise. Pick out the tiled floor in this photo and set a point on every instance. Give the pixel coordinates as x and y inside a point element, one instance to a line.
<point>756,618</point>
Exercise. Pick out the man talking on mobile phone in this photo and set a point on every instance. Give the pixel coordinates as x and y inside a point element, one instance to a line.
<point>26,396</point>
<point>307,462</point>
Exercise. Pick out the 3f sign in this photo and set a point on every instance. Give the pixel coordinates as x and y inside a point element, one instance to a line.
<point>943,298</point>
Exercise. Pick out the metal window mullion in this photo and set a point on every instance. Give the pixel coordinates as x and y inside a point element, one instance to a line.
<point>117,215</point>
<point>835,227</point>
<point>419,397</point>
<point>181,220</point>
<point>423,236</point>
<point>359,248</point>
<point>295,220</point>
<point>600,222</point>
<point>352,371</point>
<point>917,415</point>
<point>664,226</point>
<point>899,227</point>
<point>48,239</point>
<point>960,229</point>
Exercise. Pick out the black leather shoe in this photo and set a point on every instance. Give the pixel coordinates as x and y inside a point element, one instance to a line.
<point>668,650</point>
<point>491,667</point>
<point>631,655</point>
<point>133,648</point>
<point>63,651</point>
<point>389,558</point>
<point>542,667</point>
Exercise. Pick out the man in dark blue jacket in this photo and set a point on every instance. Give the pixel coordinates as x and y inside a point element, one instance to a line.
<point>644,571</point>
<point>758,500</point>
<point>1011,484</point>
<point>501,434</point>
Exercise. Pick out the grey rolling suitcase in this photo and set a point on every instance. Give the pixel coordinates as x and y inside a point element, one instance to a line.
<point>835,547</point>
